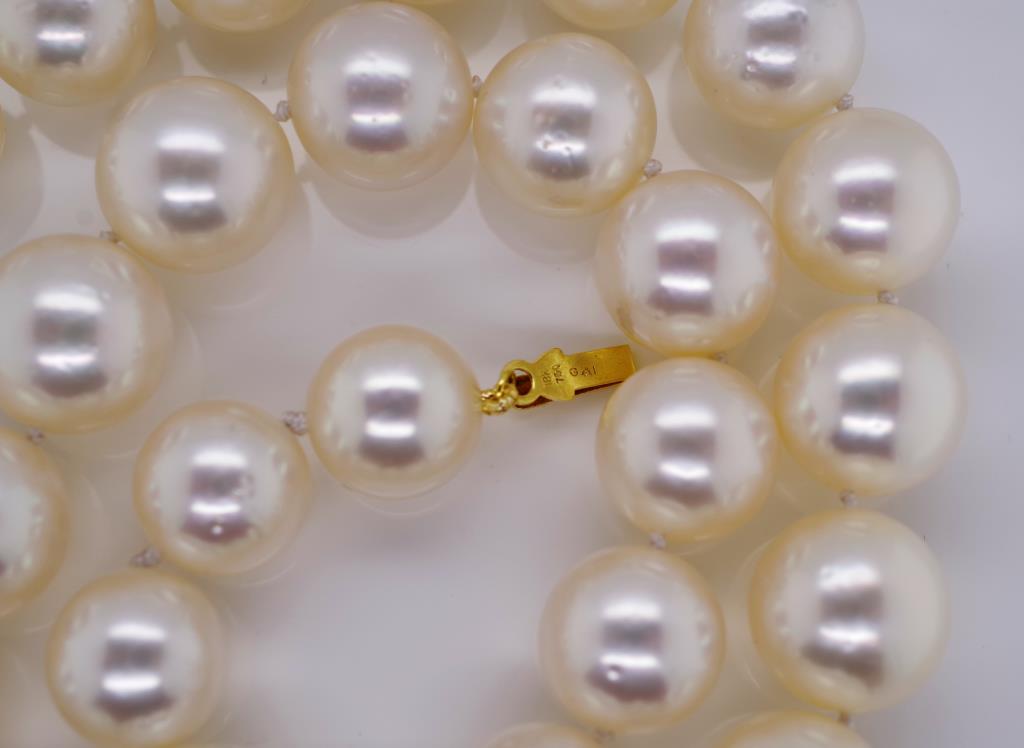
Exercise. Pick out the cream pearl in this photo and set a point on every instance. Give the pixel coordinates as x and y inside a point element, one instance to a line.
<point>850,610</point>
<point>86,334</point>
<point>866,200</point>
<point>686,449</point>
<point>33,520</point>
<point>632,640</point>
<point>69,52</point>
<point>774,63</point>
<point>609,15</point>
<point>870,399</point>
<point>240,15</point>
<point>136,658</point>
<point>565,124</point>
<point>394,412</point>
<point>195,174</point>
<point>543,736</point>
<point>790,730</point>
<point>381,95</point>
<point>687,263</point>
<point>221,487</point>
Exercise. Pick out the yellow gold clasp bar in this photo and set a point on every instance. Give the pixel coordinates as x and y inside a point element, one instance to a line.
<point>556,376</point>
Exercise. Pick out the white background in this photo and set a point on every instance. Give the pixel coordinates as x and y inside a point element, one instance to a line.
<point>384,632</point>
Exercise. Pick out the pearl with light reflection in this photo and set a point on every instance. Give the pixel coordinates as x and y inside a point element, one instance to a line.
<point>774,63</point>
<point>69,52</point>
<point>870,399</point>
<point>136,659</point>
<point>866,200</point>
<point>195,174</point>
<point>687,263</point>
<point>632,640</point>
<point>609,15</point>
<point>380,95</point>
<point>565,124</point>
<point>850,611</point>
<point>790,730</point>
<point>543,736</point>
<point>240,15</point>
<point>221,487</point>
<point>394,412</point>
<point>86,334</point>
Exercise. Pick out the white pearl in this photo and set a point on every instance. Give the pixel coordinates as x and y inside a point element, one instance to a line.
<point>608,15</point>
<point>774,63</point>
<point>850,610</point>
<point>394,412</point>
<point>543,736</point>
<point>86,334</point>
<point>790,730</point>
<point>381,95</point>
<point>565,124</point>
<point>240,15</point>
<point>33,520</point>
<point>136,659</point>
<point>688,263</point>
<point>195,174</point>
<point>221,487</point>
<point>870,399</point>
<point>686,449</point>
<point>866,200</point>
<point>70,52</point>
<point>632,640</point>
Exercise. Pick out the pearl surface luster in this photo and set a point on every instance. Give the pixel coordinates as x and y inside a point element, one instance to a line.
<point>790,730</point>
<point>240,15</point>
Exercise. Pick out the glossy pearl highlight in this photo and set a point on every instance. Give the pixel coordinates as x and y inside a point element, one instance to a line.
<point>866,200</point>
<point>774,63</point>
<point>33,521</point>
<point>790,730</point>
<point>240,15</point>
<point>394,412</point>
<point>221,487</point>
<point>69,52</point>
<point>543,736</point>
<point>136,658</point>
<point>850,610</point>
<point>565,124</point>
<point>687,263</point>
<point>609,15</point>
<point>381,96</point>
<point>86,334</point>
<point>632,640</point>
<point>686,449</point>
<point>195,174</point>
<point>870,399</point>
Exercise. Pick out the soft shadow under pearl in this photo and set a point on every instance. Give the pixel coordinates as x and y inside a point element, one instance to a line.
<point>790,730</point>
<point>69,52</point>
<point>565,124</point>
<point>609,15</point>
<point>850,611</point>
<point>86,334</point>
<point>136,659</point>
<point>632,640</point>
<point>195,174</point>
<point>543,736</point>
<point>866,200</point>
<point>870,399</point>
<point>221,487</point>
<point>240,15</point>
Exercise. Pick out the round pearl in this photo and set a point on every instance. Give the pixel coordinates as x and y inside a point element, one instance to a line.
<point>394,412</point>
<point>686,449</point>
<point>195,174</point>
<point>774,63</point>
<point>565,124</point>
<point>381,95</point>
<point>136,658</point>
<point>850,610</point>
<point>543,736</point>
<point>221,487</point>
<point>632,640</point>
<point>240,15</point>
<point>870,399</point>
<point>86,334</point>
<point>866,200</point>
<point>609,15</point>
<point>69,52</point>
<point>791,730</point>
<point>33,520</point>
<point>687,263</point>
